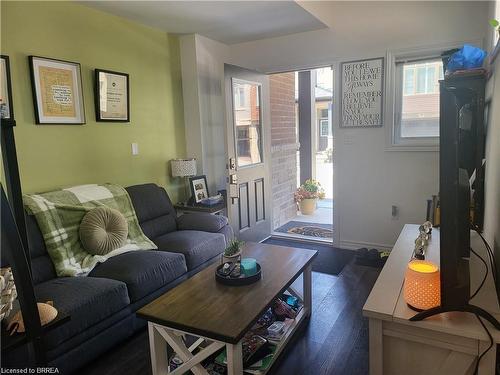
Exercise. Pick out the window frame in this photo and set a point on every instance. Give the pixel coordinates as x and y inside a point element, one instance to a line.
<point>321,121</point>
<point>393,90</point>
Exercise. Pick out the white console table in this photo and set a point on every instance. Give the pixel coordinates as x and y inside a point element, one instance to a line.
<point>448,343</point>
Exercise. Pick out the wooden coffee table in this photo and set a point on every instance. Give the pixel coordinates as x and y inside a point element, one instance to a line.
<point>221,315</point>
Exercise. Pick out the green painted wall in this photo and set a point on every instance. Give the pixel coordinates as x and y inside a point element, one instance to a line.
<point>52,156</point>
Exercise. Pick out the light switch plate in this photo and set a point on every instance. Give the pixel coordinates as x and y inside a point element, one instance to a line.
<point>135,149</point>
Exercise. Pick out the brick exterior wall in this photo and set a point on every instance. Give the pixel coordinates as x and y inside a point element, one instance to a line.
<point>283,147</point>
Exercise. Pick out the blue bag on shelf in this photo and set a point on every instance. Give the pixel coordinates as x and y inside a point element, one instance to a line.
<point>468,57</point>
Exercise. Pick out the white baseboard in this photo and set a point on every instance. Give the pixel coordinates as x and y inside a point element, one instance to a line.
<point>355,245</point>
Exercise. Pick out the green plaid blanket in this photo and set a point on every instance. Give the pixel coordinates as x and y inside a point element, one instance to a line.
<point>59,213</point>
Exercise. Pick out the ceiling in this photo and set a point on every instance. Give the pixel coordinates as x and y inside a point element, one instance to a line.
<point>228,22</point>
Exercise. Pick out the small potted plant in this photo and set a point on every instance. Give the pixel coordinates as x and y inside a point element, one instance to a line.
<point>307,195</point>
<point>232,253</point>
<point>496,25</point>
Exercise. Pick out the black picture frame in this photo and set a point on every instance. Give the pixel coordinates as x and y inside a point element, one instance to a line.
<point>39,116</point>
<point>97,95</point>
<point>201,192</point>
<point>8,86</point>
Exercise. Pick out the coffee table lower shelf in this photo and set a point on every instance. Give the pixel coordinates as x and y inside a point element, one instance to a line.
<point>162,337</point>
<point>193,362</point>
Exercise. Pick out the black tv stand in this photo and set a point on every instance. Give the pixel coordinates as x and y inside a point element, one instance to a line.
<point>465,308</point>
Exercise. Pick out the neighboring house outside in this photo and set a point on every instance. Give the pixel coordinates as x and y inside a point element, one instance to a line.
<point>323,110</point>
<point>323,105</point>
<point>420,107</point>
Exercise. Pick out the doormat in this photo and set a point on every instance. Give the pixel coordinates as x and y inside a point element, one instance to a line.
<point>307,229</point>
<point>331,260</point>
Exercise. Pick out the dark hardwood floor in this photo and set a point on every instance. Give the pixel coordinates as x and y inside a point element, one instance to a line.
<point>334,341</point>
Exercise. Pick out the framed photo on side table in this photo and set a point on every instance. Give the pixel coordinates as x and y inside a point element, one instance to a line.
<point>198,187</point>
<point>112,96</point>
<point>6,107</point>
<point>57,91</point>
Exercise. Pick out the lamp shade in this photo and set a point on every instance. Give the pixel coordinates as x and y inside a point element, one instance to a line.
<point>183,167</point>
<point>422,288</point>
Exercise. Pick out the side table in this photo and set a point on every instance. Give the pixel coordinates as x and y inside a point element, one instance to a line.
<point>183,208</point>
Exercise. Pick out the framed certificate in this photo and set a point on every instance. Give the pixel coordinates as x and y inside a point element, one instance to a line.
<point>57,91</point>
<point>6,108</point>
<point>112,99</point>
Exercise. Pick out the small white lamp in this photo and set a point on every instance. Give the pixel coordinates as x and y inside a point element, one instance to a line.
<point>184,168</point>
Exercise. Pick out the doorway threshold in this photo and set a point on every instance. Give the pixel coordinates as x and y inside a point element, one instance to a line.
<point>302,238</point>
<point>307,227</point>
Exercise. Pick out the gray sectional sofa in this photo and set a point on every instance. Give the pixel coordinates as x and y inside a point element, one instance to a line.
<point>102,305</point>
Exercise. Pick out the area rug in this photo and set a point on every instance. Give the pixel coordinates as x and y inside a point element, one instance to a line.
<point>307,229</point>
<point>331,260</point>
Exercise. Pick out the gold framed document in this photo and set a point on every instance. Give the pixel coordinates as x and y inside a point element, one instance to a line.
<point>112,99</point>
<point>6,108</point>
<point>57,91</point>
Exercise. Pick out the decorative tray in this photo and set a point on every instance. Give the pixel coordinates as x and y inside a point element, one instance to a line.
<point>238,281</point>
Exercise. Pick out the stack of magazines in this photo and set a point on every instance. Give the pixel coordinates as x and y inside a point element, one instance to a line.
<point>260,343</point>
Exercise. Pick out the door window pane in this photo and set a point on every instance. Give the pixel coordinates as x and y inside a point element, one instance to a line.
<point>247,123</point>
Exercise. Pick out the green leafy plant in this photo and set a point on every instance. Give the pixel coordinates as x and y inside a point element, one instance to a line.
<point>495,24</point>
<point>329,155</point>
<point>233,248</point>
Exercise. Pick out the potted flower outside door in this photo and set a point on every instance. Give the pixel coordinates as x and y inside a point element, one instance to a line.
<point>307,196</point>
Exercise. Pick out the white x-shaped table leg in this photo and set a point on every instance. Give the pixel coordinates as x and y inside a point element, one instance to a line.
<point>191,362</point>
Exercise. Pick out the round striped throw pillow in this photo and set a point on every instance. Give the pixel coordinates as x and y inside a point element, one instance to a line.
<point>103,230</point>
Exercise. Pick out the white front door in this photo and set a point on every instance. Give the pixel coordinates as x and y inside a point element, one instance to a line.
<point>249,149</point>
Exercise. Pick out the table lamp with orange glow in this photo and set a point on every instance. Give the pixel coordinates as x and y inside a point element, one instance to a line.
<point>422,287</point>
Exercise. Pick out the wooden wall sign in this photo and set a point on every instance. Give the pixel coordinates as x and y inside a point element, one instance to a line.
<point>362,90</point>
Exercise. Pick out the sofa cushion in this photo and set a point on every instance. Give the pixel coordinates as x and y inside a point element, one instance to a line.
<point>201,221</point>
<point>153,208</point>
<point>196,246</point>
<point>142,271</point>
<point>88,300</point>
